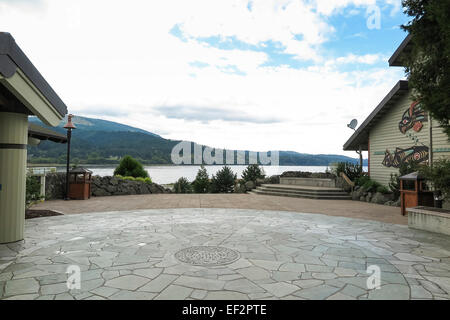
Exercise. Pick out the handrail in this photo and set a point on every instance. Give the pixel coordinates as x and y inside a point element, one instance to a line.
<point>347,179</point>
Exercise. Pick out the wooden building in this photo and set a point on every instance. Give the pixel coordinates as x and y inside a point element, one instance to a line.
<point>398,130</point>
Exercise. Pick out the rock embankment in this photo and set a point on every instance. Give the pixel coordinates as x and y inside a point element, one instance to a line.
<point>113,186</point>
<point>55,186</point>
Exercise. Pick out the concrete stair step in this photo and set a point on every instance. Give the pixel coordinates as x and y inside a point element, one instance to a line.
<point>301,195</point>
<point>304,190</point>
<point>321,193</point>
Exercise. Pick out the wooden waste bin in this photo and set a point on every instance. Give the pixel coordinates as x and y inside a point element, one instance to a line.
<point>414,192</point>
<point>80,184</point>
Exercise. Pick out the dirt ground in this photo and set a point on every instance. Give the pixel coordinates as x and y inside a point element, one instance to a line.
<point>344,208</point>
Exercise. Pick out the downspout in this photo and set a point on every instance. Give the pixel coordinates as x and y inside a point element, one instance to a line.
<point>430,138</point>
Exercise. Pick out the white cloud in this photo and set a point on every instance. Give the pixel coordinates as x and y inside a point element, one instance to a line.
<point>117,60</point>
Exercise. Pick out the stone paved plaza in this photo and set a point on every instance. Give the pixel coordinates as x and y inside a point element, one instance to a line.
<point>261,255</point>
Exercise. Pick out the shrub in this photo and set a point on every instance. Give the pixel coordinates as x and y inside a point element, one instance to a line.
<point>405,168</point>
<point>439,175</point>
<point>201,183</point>
<point>145,180</point>
<point>253,172</point>
<point>33,190</point>
<point>370,185</point>
<point>223,181</point>
<point>352,170</point>
<point>382,189</point>
<point>129,166</point>
<point>182,186</point>
<point>362,180</point>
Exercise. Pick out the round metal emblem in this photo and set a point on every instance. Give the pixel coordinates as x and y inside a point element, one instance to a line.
<point>207,255</point>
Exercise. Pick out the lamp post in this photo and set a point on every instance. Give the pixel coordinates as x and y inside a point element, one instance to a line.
<point>69,126</point>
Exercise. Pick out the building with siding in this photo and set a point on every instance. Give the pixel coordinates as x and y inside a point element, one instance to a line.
<point>398,130</point>
<point>23,92</point>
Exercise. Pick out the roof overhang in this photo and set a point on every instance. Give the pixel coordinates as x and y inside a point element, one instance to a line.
<point>360,139</point>
<point>397,59</point>
<point>19,76</point>
<point>41,133</point>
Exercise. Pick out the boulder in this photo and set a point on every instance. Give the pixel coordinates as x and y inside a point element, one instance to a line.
<point>396,203</point>
<point>378,198</point>
<point>362,198</point>
<point>249,185</point>
<point>260,181</point>
<point>240,188</point>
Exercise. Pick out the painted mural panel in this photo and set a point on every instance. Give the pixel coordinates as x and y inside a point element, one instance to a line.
<point>399,156</point>
<point>412,118</point>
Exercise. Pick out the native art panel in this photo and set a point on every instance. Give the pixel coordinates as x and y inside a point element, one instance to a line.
<point>399,156</point>
<point>412,118</point>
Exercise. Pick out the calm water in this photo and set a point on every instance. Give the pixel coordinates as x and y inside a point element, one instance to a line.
<point>170,174</point>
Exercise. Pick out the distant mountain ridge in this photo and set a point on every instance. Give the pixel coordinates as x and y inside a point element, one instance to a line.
<point>93,124</point>
<point>97,141</point>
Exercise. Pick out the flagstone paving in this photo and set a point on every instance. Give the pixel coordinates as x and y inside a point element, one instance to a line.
<point>283,255</point>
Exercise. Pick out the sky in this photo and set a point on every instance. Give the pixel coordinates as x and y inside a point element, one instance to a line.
<point>238,74</point>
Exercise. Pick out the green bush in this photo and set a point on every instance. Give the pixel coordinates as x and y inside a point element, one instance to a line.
<point>253,172</point>
<point>370,185</point>
<point>439,176</point>
<point>352,170</point>
<point>33,190</point>
<point>361,180</point>
<point>201,183</point>
<point>223,181</point>
<point>182,186</point>
<point>129,166</point>
<point>382,189</point>
<point>145,180</point>
<point>404,168</point>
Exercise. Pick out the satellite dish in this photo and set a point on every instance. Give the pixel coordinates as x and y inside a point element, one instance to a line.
<point>352,125</point>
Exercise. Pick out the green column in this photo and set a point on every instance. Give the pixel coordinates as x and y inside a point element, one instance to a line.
<point>13,163</point>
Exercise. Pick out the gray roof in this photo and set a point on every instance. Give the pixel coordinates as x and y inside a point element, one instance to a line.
<point>397,58</point>
<point>413,176</point>
<point>361,136</point>
<point>12,57</point>
<point>41,133</point>
<point>79,170</point>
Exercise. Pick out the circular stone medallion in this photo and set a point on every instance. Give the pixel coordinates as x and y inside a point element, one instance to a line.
<point>207,256</point>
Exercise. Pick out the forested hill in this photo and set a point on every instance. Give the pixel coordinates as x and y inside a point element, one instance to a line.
<point>98,141</point>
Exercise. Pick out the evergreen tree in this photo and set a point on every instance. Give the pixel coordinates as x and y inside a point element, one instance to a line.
<point>130,167</point>
<point>253,172</point>
<point>223,180</point>
<point>428,63</point>
<point>201,183</point>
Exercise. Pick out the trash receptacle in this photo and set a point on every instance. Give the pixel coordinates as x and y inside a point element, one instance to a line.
<point>80,184</point>
<point>414,192</point>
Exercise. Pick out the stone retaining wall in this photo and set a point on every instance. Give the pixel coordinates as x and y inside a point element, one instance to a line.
<point>101,186</point>
<point>112,186</point>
